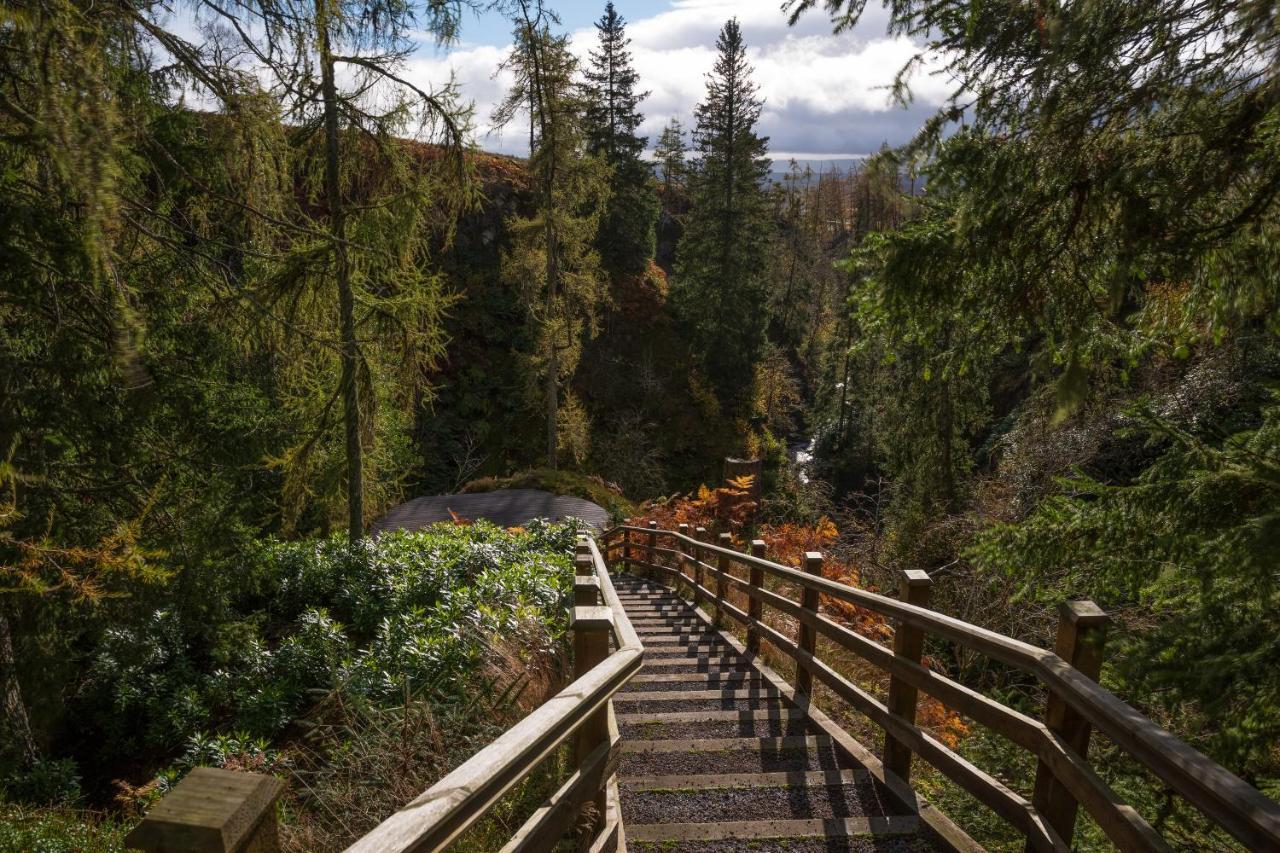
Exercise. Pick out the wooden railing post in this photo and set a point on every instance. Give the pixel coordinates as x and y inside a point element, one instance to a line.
<point>807,639</point>
<point>1082,635</point>
<point>680,549</point>
<point>591,629</point>
<point>908,644</point>
<point>698,554</point>
<point>213,811</point>
<point>653,551</point>
<point>722,586</point>
<point>755,607</point>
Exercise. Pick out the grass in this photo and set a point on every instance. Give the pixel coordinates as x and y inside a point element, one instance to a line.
<point>55,830</point>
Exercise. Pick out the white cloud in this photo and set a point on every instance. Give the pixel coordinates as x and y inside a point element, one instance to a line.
<point>824,94</point>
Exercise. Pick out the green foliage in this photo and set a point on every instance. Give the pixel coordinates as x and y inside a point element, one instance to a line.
<point>58,831</point>
<point>1191,544</point>
<point>552,258</point>
<point>370,620</point>
<point>720,292</point>
<point>626,239</point>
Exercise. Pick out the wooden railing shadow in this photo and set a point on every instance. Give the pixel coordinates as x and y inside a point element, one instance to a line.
<point>217,811</point>
<point>1076,704</point>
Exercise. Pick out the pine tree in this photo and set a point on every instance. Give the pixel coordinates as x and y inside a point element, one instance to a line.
<point>552,257</point>
<point>626,238</point>
<point>721,287</point>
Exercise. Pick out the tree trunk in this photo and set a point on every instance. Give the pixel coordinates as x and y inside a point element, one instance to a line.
<point>346,299</point>
<point>15,710</point>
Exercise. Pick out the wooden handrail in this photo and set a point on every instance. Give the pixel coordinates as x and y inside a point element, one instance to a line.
<point>1224,798</point>
<point>460,799</point>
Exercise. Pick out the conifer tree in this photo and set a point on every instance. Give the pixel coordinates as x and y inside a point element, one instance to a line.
<point>626,237</point>
<point>721,286</point>
<point>671,153</point>
<point>552,257</point>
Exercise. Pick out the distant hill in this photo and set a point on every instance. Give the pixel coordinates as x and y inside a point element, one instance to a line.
<point>843,164</point>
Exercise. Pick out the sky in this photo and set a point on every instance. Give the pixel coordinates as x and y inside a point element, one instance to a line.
<point>824,94</point>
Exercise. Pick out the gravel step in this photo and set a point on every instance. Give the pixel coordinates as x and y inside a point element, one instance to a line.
<point>824,831</point>
<point>751,844</point>
<point>779,802</point>
<point>694,677</point>
<point>751,755</point>
<point>694,664</point>
<point>738,725</point>
<point>743,681</point>
<point>746,692</point>
<point>665,654</point>
<point>803,778</point>
<point>628,703</point>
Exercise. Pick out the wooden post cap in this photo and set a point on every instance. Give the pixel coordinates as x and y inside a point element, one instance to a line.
<point>592,618</point>
<point>758,547</point>
<point>583,566</point>
<point>1083,614</point>
<point>726,539</point>
<point>812,558</point>
<point>209,811</point>
<point>653,525</point>
<point>916,577</point>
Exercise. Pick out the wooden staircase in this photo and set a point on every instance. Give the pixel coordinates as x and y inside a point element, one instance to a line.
<point>718,756</point>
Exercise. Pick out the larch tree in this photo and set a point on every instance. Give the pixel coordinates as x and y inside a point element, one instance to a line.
<point>336,70</point>
<point>721,288</point>
<point>552,258</point>
<point>671,154</point>
<point>626,237</point>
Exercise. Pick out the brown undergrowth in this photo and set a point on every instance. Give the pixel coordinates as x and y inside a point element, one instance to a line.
<point>729,510</point>
<point>358,763</point>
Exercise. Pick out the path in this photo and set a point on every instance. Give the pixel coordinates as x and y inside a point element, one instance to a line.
<point>504,507</point>
<point>710,746</point>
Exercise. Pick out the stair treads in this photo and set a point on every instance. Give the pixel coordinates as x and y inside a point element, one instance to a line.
<point>780,802</point>
<point>689,663</point>
<point>872,828</point>
<point>698,762</point>
<point>708,681</point>
<point>800,778</point>
<point>817,844</point>
<point>744,726</point>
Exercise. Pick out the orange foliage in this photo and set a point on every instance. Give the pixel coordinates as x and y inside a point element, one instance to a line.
<point>730,508</point>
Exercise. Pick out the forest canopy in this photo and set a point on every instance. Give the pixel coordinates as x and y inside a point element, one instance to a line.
<point>257,287</point>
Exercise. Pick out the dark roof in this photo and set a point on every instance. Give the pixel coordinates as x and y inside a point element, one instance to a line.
<point>505,507</point>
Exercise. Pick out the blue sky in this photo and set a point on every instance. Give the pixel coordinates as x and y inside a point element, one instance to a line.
<point>824,94</point>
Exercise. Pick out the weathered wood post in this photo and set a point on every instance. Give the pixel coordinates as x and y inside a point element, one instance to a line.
<point>683,559</point>
<point>591,629</point>
<point>698,555</point>
<point>807,638</point>
<point>1082,636</point>
<point>908,644</point>
<point>213,811</point>
<point>755,607</point>
<point>722,586</point>
<point>627,556</point>
<point>653,551</point>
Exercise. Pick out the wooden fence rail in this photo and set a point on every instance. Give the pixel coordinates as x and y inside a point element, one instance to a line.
<point>580,716</point>
<point>1076,705</point>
